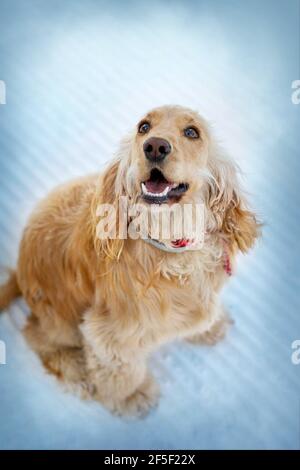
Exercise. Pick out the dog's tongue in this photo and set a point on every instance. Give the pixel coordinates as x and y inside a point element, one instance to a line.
<point>156,187</point>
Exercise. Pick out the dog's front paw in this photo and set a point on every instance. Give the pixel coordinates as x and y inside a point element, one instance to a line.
<point>215,334</point>
<point>138,404</point>
<point>83,389</point>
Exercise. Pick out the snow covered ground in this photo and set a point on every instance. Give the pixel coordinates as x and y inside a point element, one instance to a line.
<point>78,75</point>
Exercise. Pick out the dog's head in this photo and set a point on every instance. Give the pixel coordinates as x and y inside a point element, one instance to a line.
<point>168,153</point>
<point>171,157</point>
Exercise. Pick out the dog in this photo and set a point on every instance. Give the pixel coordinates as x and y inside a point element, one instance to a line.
<point>100,306</point>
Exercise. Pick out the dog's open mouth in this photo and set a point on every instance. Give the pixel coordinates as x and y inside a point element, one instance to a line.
<point>157,189</point>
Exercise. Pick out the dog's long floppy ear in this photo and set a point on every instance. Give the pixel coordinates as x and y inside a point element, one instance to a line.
<point>111,186</point>
<point>227,205</point>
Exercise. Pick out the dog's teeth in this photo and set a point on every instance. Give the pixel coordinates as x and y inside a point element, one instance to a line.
<point>144,189</point>
<point>148,193</point>
<point>165,191</point>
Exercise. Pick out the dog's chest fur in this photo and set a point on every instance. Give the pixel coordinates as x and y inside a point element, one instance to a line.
<point>168,295</point>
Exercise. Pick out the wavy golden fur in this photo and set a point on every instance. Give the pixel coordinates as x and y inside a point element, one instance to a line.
<point>100,307</point>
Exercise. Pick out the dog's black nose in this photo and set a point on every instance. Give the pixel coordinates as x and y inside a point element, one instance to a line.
<point>156,149</point>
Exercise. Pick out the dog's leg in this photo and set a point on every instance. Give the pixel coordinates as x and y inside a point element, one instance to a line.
<point>216,331</point>
<point>63,358</point>
<point>118,369</point>
<point>68,365</point>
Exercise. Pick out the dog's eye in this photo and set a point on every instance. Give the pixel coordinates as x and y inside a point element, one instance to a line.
<point>191,133</point>
<point>144,127</point>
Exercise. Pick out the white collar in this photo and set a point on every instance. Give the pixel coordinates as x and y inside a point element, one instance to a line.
<point>169,249</point>
<point>163,247</point>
